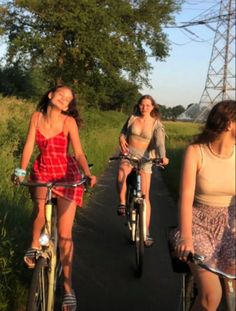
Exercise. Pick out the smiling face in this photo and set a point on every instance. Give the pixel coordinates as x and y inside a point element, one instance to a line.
<point>61,98</point>
<point>146,106</point>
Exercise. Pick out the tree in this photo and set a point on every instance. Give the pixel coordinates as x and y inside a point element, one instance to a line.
<point>171,113</point>
<point>176,111</point>
<point>84,41</point>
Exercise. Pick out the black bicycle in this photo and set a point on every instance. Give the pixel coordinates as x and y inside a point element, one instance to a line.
<point>136,207</point>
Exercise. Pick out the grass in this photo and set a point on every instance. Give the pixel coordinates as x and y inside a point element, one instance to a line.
<point>179,136</point>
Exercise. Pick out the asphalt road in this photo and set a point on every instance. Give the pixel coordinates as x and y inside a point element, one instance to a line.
<point>103,273</point>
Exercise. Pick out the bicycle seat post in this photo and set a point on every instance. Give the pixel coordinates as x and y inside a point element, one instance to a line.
<point>49,195</point>
<point>48,209</point>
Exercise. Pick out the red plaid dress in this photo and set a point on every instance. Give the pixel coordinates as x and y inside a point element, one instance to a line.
<point>55,164</point>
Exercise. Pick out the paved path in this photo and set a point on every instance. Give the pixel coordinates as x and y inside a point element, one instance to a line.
<point>103,274</point>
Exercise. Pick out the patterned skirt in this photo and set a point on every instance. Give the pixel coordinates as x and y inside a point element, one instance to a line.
<point>214,236</point>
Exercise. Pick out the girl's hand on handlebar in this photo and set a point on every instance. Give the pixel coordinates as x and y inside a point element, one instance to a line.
<point>16,179</point>
<point>92,180</point>
<point>124,146</point>
<point>164,161</point>
<point>183,248</point>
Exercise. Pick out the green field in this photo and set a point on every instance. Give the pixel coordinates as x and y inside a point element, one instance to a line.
<point>99,137</point>
<point>179,135</point>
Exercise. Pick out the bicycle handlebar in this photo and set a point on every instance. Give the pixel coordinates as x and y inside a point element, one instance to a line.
<point>142,160</point>
<point>55,184</point>
<point>199,260</point>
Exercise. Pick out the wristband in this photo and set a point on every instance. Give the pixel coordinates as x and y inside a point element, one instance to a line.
<point>19,172</point>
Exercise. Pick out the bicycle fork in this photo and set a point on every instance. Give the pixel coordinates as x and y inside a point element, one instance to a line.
<point>139,200</point>
<point>50,237</point>
<point>53,261</point>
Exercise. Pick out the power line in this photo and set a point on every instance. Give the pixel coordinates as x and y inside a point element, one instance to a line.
<point>213,19</point>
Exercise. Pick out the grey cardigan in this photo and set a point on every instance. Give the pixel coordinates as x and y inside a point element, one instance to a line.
<point>156,146</point>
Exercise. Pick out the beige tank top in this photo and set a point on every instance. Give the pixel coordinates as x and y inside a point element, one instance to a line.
<point>215,181</point>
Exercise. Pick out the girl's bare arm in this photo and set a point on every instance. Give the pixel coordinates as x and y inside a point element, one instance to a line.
<point>187,190</point>
<point>77,148</point>
<point>29,143</point>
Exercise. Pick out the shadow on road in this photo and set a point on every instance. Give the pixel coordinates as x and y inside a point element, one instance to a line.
<point>103,273</point>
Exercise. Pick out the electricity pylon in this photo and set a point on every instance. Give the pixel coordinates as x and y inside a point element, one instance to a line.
<point>220,81</point>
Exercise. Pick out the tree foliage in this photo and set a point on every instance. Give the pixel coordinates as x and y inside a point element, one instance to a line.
<point>171,113</point>
<point>87,42</point>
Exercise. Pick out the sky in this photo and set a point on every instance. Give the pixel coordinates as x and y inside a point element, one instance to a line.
<point>181,78</point>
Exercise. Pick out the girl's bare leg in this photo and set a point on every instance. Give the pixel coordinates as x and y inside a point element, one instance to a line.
<point>38,197</point>
<point>209,289</point>
<point>66,214</point>
<point>123,172</point>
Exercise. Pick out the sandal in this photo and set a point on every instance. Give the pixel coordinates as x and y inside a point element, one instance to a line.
<point>30,257</point>
<point>69,302</point>
<point>121,210</point>
<point>149,241</point>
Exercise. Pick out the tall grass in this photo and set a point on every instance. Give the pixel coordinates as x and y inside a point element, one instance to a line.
<point>179,135</point>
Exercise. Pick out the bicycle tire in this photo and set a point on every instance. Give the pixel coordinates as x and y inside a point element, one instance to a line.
<point>139,240</point>
<point>189,292</point>
<point>55,266</point>
<point>38,292</point>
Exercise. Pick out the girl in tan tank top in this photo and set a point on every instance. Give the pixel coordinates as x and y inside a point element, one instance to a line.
<point>207,215</point>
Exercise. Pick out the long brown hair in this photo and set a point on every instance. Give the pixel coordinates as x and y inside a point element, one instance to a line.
<point>155,113</point>
<point>217,121</point>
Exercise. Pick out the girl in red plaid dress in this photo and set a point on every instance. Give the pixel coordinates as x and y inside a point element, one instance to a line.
<point>52,127</point>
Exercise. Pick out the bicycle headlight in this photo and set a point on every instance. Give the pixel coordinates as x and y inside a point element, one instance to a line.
<point>44,239</point>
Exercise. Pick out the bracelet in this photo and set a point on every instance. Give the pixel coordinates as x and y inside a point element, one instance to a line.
<point>19,172</point>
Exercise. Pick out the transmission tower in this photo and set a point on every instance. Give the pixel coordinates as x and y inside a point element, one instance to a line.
<point>220,81</point>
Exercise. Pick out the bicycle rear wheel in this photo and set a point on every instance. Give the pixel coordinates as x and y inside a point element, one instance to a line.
<point>139,239</point>
<point>38,293</point>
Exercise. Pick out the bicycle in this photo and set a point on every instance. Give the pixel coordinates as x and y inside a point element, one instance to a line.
<point>199,260</point>
<point>135,209</point>
<point>189,290</point>
<point>48,269</point>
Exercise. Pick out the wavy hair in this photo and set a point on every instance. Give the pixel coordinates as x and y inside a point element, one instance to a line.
<point>217,122</point>
<point>155,113</point>
<point>72,110</point>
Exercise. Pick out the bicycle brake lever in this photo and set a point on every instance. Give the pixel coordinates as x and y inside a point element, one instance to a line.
<point>195,258</point>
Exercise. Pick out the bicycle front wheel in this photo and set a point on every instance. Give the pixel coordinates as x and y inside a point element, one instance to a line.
<point>189,292</point>
<point>38,293</point>
<point>139,239</point>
